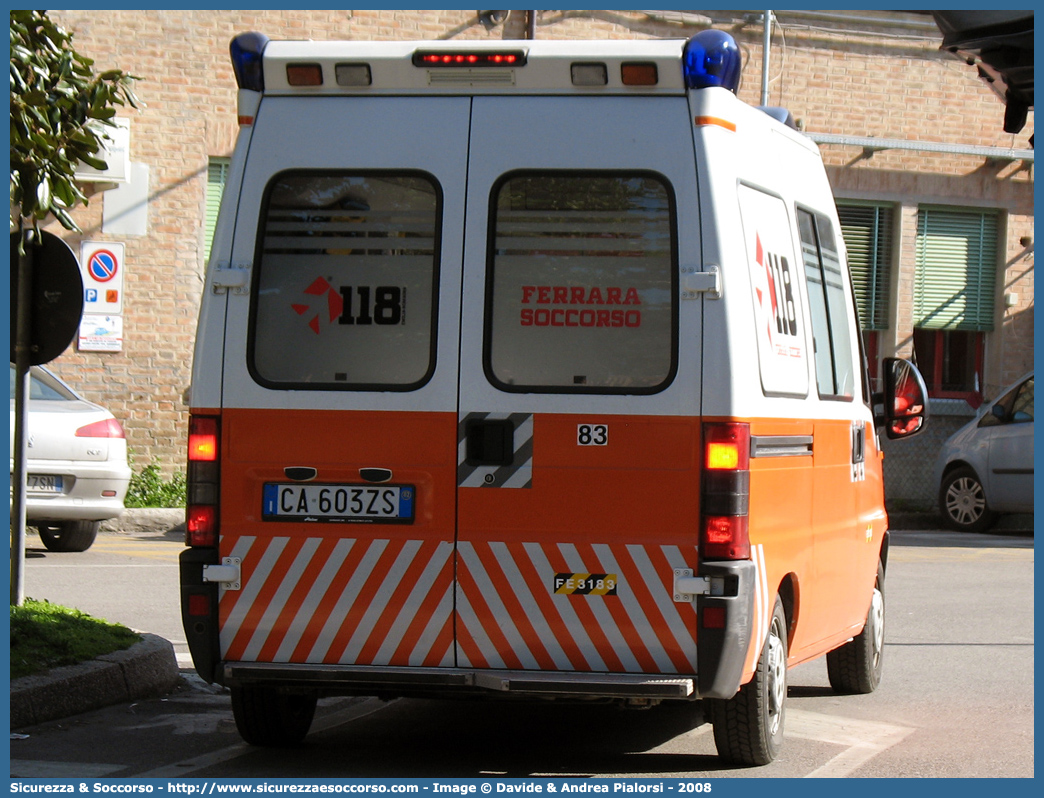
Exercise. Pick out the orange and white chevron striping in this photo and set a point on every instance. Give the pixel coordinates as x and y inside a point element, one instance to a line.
<point>510,617</point>
<point>392,602</point>
<point>339,600</point>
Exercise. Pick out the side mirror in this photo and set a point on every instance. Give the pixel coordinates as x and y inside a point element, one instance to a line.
<point>905,399</point>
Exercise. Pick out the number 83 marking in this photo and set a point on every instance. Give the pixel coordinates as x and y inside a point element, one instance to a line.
<point>592,434</point>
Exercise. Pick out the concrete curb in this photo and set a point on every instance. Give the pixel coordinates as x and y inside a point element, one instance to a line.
<point>147,668</point>
<point>1016,523</point>
<point>147,520</point>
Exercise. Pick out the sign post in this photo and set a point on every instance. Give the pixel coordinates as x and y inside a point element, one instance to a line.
<point>48,302</point>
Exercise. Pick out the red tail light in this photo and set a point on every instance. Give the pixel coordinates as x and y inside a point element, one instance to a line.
<point>199,605</point>
<point>108,428</point>
<point>725,537</point>
<point>201,525</point>
<point>725,492</point>
<point>201,513</point>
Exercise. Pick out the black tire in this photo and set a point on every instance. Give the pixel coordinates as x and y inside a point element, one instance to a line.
<point>856,666</point>
<point>962,501</point>
<point>69,535</point>
<point>272,718</point>
<point>748,728</point>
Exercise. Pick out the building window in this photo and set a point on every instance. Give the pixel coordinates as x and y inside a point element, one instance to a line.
<point>867,231</point>
<point>217,174</point>
<point>951,363</point>
<point>956,269</point>
<point>954,289</point>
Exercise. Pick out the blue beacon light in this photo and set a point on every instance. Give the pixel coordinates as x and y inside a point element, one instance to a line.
<point>712,58</point>
<point>246,50</point>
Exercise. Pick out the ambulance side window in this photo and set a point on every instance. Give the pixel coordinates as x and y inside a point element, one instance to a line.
<point>581,286</point>
<point>345,283</point>
<point>835,368</point>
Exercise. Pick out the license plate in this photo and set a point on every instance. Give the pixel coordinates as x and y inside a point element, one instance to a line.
<point>345,504</point>
<point>43,483</point>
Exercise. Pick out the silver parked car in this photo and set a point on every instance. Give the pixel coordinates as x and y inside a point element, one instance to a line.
<point>77,473</point>
<point>986,467</point>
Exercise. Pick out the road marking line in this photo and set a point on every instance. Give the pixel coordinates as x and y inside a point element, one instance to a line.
<point>864,739</point>
<point>186,766</point>
<point>45,769</point>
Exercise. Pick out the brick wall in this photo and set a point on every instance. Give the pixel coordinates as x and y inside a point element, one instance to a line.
<point>833,75</point>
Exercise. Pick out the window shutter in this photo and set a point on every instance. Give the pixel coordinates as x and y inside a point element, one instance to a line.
<point>867,230</point>
<point>956,269</point>
<point>217,173</point>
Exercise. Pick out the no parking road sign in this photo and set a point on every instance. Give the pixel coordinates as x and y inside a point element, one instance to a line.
<point>101,263</point>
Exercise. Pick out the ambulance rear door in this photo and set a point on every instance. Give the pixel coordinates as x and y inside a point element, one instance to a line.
<point>579,422</point>
<point>338,417</point>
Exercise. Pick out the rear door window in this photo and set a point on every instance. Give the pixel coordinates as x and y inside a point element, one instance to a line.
<point>581,291</point>
<point>346,280</point>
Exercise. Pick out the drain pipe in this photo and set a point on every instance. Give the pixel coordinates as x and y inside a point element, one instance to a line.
<point>766,45</point>
<point>531,24</point>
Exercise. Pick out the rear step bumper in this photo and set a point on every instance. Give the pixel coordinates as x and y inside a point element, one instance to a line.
<point>433,681</point>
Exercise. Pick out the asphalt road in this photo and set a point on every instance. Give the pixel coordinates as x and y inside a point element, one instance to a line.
<point>956,699</point>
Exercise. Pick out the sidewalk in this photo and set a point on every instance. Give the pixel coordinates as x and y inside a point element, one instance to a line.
<point>147,668</point>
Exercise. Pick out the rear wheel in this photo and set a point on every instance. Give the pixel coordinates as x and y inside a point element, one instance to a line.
<point>270,717</point>
<point>748,728</point>
<point>69,535</point>
<point>855,667</point>
<point>962,500</point>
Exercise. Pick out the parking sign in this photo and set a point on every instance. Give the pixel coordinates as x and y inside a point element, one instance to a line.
<point>102,266</point>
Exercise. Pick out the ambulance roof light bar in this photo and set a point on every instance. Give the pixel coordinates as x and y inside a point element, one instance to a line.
<point>246,50</point>
<point>712,58</point>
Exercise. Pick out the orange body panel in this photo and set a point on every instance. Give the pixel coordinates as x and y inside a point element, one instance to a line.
<point>477,579</point>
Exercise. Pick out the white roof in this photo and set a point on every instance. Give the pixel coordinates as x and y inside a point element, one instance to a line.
<point>547,69</point>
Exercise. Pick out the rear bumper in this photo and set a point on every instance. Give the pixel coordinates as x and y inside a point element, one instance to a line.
<point>404,681</point>
<point>81,499</point>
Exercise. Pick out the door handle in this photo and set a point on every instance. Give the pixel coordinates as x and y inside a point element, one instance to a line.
<point>489,442</point>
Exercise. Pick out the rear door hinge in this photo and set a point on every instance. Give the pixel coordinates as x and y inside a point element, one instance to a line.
<point>231,276</point>
<point>226,574</point>
<point>687,587</point>
<point>695,282</point>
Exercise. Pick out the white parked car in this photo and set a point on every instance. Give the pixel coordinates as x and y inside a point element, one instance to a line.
<point>77,472</point>
<point>986,467</point>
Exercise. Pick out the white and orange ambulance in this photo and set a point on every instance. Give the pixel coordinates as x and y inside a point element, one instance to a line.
<point>529,369</point>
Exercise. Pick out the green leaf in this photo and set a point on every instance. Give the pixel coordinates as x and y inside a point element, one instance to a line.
<point>43,193</point>
<point>96,163</point>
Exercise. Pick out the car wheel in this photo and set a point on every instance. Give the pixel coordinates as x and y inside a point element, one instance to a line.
<point>748,728</point>
<point>855,667</point>
<point>962,500</point>
<point>270,717</point>
<point>69,535</point>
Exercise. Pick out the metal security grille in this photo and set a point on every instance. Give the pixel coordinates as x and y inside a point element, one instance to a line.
<point>867,230</point>
<point>956,269</point>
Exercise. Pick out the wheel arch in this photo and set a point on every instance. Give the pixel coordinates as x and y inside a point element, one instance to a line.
<point>789,593</point>
<point>954,465</point>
